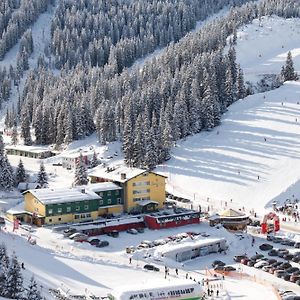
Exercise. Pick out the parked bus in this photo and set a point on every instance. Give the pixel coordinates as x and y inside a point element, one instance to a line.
<point>184,290</point>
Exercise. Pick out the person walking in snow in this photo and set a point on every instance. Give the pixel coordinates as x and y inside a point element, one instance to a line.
<point>176,271</point>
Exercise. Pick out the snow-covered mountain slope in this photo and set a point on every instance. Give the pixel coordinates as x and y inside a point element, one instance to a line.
<point>251,158</point>
<point>262,46</point>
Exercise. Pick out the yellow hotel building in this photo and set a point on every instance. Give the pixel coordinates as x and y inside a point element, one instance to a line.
<point>143,191</point>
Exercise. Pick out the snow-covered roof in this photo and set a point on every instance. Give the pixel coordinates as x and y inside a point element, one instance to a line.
<point>103,186</point>
<point>231,213</point>
<point>146,202</point>
<point>115,173</point>
<point>28,185</point>
<point>63,195</point>
<point>183,246</point>
<point>32,149</point>
<point>77,154</point>
<point>18,209</point>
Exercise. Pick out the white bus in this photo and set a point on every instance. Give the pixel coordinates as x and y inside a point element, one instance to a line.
<point>186,290</point>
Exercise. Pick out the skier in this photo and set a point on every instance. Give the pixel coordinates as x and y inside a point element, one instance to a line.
<point>176,271</point>
<point>22,266</point>
<point>130,260</point>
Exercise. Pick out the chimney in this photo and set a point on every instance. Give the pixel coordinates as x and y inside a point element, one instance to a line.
<point>83,191</point>
<point>123,176</point>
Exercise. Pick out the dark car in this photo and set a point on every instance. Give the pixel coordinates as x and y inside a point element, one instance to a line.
<point>272,261</point>
<point>229,268</point>
<point>273,252</point>
<point>270,238</point>
<point>238,258</point>
<point>218,263</point>
<point>257,256</point>
<point>288,256</point>
<point>296,258</point>
<point>140,230</point>
<point>251,263</point>
<point>292,270</point>
<point>285,265</point>
<point>297,245</point>
<point>151,268</point>
<point>277,240</point>
<point>94,242</point>
<point>113,233</point>
<point>265,247</point>
<point>102,244</point>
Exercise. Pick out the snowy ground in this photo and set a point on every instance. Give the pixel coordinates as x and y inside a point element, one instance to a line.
<point>262,46</point>
<point>60,262</point>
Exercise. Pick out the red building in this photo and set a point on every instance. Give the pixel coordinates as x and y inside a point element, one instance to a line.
<point>158,221</point>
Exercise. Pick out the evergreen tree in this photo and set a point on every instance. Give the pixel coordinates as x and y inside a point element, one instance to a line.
<point>6,174</point>
<point>288,71</point>
<point>42,177</point>
<point>94,162</point>
<point>4,266</point>
<point>14,136</point>
<point>20,173</point>
<point>80,172</point>
<point>14,280</point>
<point>32,292</point>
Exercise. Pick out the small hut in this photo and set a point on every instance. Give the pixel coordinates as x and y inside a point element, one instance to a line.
<point>230,219</point>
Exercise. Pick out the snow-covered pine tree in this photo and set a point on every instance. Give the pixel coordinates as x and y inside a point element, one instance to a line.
<point>6,174</point>
<point>42,177</point>
<point>32,292</point>
<point>80,172</point>
<point>288,71</point>
<point>25,126</point>
<point>4,266</point>
<point>14,280</point>
<point>94,162</point>
<point>14,136</point>
<point>20,173</point>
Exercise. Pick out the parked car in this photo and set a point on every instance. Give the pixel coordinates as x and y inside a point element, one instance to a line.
<point>132,231</point>
<point>245,261</point>
<point>273,252</point>
<point>287,242</point>
<point>114,233</point>
<point>218,263</point>
<point>297,245</point>
<point>277,240</point>
<point>79,237</point>
<point>251,263</point>
<point>288,256</point>
<point>140,230</point>
<point>69,231</point>
<point>285,265</point>
<point>102,244</point>
<point>292,270</point>
<point>238,258</point>
<point>296,259</point>
<point>294,278</point>
<point>265,247</point>
<point>94,242</point>
<point>279,273</point>
<point>151,268</point>
<point>257,256</point>
<point>261,264</point>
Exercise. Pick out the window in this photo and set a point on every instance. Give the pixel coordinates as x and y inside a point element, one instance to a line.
<point>59,210</point>
<point>77,208</point>
<point>108,201</point>
<point>117,192</point>
<point>36,209</point>
<point>68,209</point>
<point>76,217</point>
<point>50,220</point>
<point>59,219</point>
<point>141,183</point>
<point>141,191</point>
<point>100,202</point>
<point>109,193</point>
<point>50,211</point>
<point>101,194</point>
<point>86,207</point>
<point>119,201</point>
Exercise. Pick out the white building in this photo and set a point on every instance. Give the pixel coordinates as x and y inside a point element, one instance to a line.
<point>69,161</point>
<point>193,249</point>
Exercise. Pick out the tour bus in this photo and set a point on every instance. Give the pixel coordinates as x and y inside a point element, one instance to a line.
<point>167,291</point>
